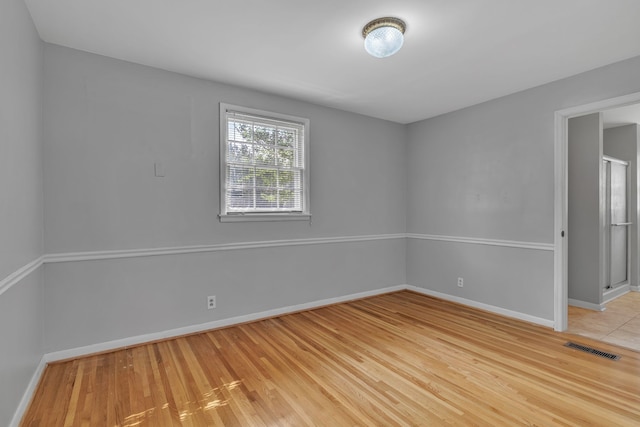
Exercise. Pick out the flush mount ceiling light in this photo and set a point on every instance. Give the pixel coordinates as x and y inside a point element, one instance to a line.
<point>383,36</point>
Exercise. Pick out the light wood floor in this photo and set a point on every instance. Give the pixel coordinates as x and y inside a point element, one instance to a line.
<point>393,360</point>
<point>619,324</point>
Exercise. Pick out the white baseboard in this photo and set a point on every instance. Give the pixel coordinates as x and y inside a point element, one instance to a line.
<point>140,339</point>
<point>28,394</point>
<point>635,288</point>
<point>587,305</point>
<point>483,306</point>
<point>612,294</point>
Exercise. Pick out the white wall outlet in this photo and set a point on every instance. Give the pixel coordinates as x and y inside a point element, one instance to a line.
<point>460,282</point>
<point>211,302</point>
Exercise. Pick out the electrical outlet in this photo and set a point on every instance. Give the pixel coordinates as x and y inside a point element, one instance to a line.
<point>460,282</point>
<point>211,302</point>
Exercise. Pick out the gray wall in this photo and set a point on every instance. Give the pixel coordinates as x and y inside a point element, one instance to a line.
<point>487,172</point>
<point>21,204</point>
<point>584,231</point>
<point>21,321</point>
<point>106,123</point>
<point>622,142</point>
<point>97,301</point>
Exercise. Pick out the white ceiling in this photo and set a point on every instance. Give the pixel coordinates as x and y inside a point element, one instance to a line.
<point>456,53</point>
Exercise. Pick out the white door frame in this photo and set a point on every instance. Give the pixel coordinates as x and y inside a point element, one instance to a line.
<point>560,271</point>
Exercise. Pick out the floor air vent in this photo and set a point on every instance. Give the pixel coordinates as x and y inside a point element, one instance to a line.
<point>592,350</point>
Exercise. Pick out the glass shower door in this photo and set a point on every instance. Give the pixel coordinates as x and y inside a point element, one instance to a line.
<point>618,222</point>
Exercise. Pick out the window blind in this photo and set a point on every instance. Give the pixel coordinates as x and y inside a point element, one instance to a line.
<point>264,164</point>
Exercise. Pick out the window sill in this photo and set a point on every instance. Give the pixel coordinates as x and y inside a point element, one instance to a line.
<point>260,217</point>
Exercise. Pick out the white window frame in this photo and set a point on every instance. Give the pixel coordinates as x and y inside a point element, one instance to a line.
<point>234,216</point>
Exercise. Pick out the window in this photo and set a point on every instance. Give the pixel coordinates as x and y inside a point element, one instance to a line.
<point>264,173</point>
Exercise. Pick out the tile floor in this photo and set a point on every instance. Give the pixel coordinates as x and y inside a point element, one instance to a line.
<point>619,324</point>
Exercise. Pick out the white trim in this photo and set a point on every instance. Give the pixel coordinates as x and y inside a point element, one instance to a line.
<point>587,305</point>
<point>561,214</point>
<point>133,253</point>
<point>560,284</point>
<point>482,306</point>
<point>140,339</point>
<point>24,271</point>
<point>490,242</point>
<point>20,274</point>
<point>178,250</point>
<point>274,216</point>
<point>227,216</point>
<point>605,104</point>
<point>28,393</point>
<point>634,288</point>
<point>126,342</point>
<point>610,294</point>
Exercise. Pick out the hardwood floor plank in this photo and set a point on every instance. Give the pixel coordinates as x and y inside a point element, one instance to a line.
<point>408,369</point>
<point>400,359</point>
<point>293,371</point>
<point>340,379</point>
<point>364,370</point>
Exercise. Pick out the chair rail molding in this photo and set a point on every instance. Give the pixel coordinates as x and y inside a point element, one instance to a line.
<point>19,274</point>
<point>482,241</point>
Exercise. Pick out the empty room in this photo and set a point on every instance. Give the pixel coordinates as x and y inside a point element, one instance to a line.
<point>320,213</point>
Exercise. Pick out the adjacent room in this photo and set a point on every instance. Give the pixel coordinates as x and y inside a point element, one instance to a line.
<point>319,213</point>
<point>602,305</point>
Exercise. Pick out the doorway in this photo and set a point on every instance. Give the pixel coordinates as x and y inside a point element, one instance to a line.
<point>561,198</point>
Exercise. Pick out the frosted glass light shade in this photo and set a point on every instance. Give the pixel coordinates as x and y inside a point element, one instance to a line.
<point>383,37</point>
<point>383,42</point>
